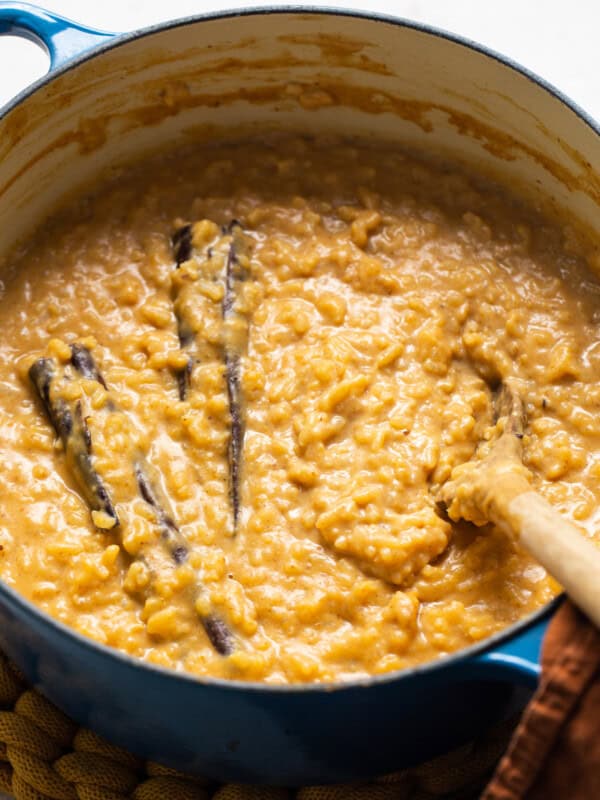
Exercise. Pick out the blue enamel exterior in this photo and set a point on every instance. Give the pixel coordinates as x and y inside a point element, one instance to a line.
<point>251,732</point>
<point>518,656</point>
<point>62,38</point>
<point>284,735</point>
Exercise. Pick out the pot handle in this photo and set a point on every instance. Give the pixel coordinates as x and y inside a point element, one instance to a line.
<point>516,660</point>
<point>61,38</point>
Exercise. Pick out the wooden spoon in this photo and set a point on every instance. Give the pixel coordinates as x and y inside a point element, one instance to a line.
<point>495,487</point>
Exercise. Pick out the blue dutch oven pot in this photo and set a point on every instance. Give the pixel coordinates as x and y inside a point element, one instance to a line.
<point>107,98</point>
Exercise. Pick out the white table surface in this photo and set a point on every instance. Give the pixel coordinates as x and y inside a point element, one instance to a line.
<point>555,39</point>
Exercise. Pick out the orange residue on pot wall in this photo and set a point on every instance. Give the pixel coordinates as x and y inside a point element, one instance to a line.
<point>162,98</point>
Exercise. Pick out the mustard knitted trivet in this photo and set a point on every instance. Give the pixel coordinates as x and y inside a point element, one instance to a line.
<point>45,756</point>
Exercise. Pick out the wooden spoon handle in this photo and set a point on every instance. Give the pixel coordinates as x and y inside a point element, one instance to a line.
<point>559,546</point>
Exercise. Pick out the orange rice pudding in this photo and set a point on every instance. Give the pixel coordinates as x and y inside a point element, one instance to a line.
<point>377,298</point>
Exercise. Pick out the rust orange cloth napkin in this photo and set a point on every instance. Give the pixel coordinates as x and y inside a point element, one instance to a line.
<point>555,751</point>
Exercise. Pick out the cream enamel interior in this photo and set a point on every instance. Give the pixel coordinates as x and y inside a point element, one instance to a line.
<point>89,119</point>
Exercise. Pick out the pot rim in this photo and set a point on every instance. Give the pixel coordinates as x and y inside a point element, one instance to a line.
<point>115,40</point>
<point>451,660</point>
<point>456,659</point>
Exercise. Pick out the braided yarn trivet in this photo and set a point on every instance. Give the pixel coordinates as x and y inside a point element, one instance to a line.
<point>45,756</point>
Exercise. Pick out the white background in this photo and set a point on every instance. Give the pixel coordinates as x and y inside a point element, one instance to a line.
<point>555,38</point>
